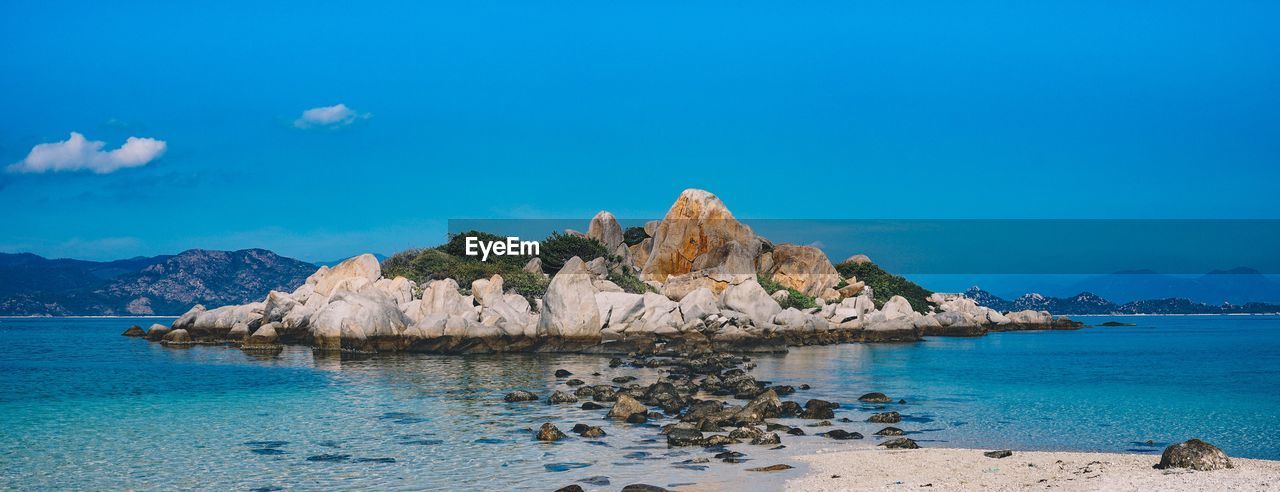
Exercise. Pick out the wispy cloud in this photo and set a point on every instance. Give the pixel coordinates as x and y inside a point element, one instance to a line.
<point>78,153</point>
<point>329,116</point>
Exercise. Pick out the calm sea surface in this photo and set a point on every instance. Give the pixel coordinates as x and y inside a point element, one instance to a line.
<point>83,407</point>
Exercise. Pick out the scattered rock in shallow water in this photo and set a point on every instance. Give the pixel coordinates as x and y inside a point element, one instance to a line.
<point>902,402</point>
<point>874,397</point>
<point>561,397</point>
<point>1194,454</point>
<point>593,431</point>
<point>796,431</point>
<point>598,480</point>
<point>575,382</point>
<point>770,439</point>
<point>822,423</point>
<point>570,488</point>
<point>718,440</point>
<point>885,418</point>
<point>579,428</point>
<point>818,409</point>
<point>728,455</point>
<point>548,433</point>
<point>423,442</point>
<point>643,487</point>
<point>789,409</point>
<point>329,458</point>
<point>561,467</point>
<point>900,443</point>
<point>889,431</point>
<point>841,435</point>
<point>375,460</point>
<point>625,407</point>
<point>591,405</point>
<point>804,386</point>
<point>1003,453</point>
<point>638,418</point>
<point>561,373</point>
<point>624,379</point>
<point>677,437</point>
<point>519,395</point>
<point>135,331</point>
<point>770,468</point>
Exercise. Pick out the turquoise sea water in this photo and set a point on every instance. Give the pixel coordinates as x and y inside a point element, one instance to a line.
<point>83,407</point>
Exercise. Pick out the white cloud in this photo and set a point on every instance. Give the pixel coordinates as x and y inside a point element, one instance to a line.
<point>329,116</point>
<point>78,153</point>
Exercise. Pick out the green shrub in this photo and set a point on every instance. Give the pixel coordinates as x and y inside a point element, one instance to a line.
<point>559,248</point>
<point>457,246</point>
<point>795,298</point>
<point>885,285</point>
<point>449,260</point>
<point>630,282</point>
<point>634,235</point>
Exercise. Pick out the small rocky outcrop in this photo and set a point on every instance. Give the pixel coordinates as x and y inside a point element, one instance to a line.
<point>561,397</point>
<point>134,331</point>
<point>890,431</point>
<point>1194,454</point>
<point>520,395</point>
<point>548,433</point>
<point>625,407</point>
<point>1000,454</point>
<point>885,418</point>
<point>874,397</point>
<point>900,443</point>
<point>803,268</point>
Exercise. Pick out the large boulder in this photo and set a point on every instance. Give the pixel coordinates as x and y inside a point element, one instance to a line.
<point>442,297</point>
<point>803,268</point>
<point>604,228</point>
<point>897,307</point>
<point>625,407</point>
<point>365,266</point>
<point>618,309</point>
<point>639,252</point>
<point>1030,318</point>
<point>351,319</point>
<point>400,289</point>
<point>569,308</point>
<point>661,315</point>
<point>1194,454</point>
<point>751,299</point>
<point>698,304</point>
<point>277,306</point>
<point>699,233</point>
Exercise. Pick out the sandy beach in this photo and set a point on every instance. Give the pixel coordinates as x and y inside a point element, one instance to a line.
<point>968,469</point>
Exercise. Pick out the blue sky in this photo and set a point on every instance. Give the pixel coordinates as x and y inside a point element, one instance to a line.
<point>530,109</point>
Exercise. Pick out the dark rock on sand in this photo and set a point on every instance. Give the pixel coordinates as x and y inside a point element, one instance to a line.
<point>1194,454</point>
<point>885,418</point>
<point>561,373</point>
<point>842,435</point>
<point>684,437</point>
<point>135,331</point>
<point>570,488</point>
<point>520,395</point>
<point>770,439</point>
<point>561,397</point>
<point>548,432</point>
<point>889,431</point>
<point>1003,453</point>
<point>900,443</point>
<point>790,409</point>
<point>818,409</point>
<point>770,468</point>
<point>796,431</point>
<point>874,397</point>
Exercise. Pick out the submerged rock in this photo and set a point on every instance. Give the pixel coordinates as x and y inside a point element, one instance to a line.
<point>818,409</point>
<point>889,431</point>
<point>561,397</point>
<point>770,468</point>
<point>885,418</point>
<point>1194,454</point>
<point>134,331</point>
<point>875,397</point>
<point>842,435</point>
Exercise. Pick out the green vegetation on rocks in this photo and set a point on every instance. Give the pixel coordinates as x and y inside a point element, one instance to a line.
<point>885,285</point>
<point>559,248</point>
<point>795,298</point>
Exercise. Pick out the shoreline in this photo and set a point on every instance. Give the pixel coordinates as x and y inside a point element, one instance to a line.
<point>873,468</point>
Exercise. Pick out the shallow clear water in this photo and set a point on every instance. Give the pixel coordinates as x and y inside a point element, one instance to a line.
<point>83,407</point>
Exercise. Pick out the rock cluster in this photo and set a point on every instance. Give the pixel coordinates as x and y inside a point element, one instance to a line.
<point>700,262</point>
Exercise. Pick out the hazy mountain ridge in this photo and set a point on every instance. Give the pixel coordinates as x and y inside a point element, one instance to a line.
<point>1090,303</point>
<point>31,285</point>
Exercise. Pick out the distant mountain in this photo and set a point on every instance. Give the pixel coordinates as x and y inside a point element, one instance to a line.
<point>31,285</point>
<point>331,263</point>
<point>1236,286</point>
<point>1089,303</point>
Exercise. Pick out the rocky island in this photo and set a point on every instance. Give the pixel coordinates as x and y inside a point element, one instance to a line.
<point>697,280</point>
